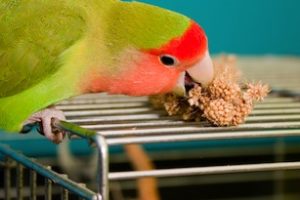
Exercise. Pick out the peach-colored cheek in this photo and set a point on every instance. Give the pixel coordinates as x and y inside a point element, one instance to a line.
<point>97,85</point>
<point>145,76</point>
<point>145,79</point>
<point>94,82</point>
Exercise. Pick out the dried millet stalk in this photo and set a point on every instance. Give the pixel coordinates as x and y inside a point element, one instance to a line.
<point>219,112</point>
<point>223,102</point>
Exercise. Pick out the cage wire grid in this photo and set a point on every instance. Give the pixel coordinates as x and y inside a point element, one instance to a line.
<point>120,120</point>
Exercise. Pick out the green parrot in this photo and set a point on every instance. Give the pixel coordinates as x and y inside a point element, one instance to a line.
<point>54,50</point>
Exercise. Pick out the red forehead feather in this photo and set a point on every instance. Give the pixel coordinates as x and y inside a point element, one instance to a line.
<point>189,46</point>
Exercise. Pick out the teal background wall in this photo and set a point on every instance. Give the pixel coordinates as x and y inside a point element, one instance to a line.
<point>244,26</point>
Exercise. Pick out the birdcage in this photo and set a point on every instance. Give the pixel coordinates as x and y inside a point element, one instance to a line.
<point>256,160</point>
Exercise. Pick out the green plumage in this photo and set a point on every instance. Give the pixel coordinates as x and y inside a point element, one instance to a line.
<point>47,46</point>
<point>31,39</point>
<point>34,35</point>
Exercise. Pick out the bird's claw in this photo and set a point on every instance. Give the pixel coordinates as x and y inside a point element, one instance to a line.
<point>45,118</point>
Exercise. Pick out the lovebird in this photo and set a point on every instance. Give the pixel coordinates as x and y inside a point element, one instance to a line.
<point>54,50</point>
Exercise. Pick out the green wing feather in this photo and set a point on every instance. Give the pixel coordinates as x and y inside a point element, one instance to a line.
<point>33,34</point>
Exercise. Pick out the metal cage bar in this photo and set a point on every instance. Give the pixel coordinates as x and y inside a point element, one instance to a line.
<point>33,179</point>
<point>19,181</point>
<point>114,127</point>
<point>230,169</point>
<point>7,178</point>
<point>107,138</point>
<point>49,175</point>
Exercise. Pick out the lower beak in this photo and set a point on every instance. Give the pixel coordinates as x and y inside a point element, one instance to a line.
<point>179,89</point>
<point>202,72</point>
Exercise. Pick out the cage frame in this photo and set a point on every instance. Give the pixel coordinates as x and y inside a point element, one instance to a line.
<point>106,140</point>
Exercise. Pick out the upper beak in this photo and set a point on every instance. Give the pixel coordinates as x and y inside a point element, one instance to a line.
<point>202,72</point>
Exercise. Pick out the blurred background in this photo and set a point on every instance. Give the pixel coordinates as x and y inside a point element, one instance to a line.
<point>245,27</point>
<point>265,36</point>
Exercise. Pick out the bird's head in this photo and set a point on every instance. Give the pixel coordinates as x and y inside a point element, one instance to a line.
<point>153,51</point>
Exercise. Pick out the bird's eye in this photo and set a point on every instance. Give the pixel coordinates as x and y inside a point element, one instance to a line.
<point>168,60</point>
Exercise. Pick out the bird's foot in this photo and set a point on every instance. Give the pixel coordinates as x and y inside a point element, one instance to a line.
<point>44,118</point>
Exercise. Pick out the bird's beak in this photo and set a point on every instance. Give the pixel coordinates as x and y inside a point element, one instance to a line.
<point>202,72</point>
<point>179,89</point>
